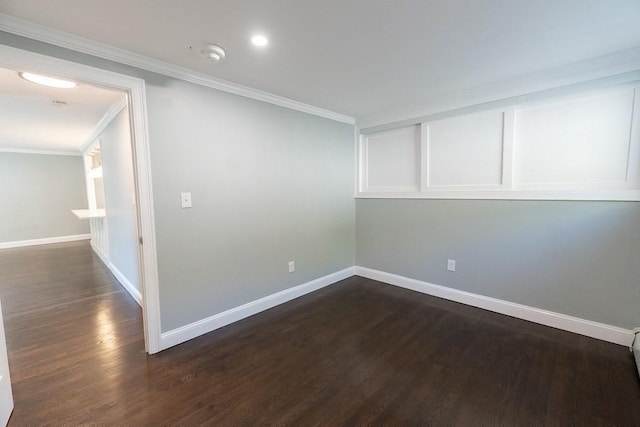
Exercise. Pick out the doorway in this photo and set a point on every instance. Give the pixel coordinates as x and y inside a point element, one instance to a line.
<point>134,89</point>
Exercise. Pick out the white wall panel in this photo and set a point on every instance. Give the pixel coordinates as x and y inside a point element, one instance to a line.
<point>577,147</point>
<point>578,141</point>
<point>392,160</point>
<point>466,150</point>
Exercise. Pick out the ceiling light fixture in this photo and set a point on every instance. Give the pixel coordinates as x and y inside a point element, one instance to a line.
<point>259,40</point>
<point>47,81</point>
<point>213,52</point>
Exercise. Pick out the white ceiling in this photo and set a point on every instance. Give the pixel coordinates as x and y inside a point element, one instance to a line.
<point>362,58</point>
<point>30,121</point>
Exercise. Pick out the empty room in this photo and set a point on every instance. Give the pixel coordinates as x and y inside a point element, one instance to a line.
<point>321,213</point>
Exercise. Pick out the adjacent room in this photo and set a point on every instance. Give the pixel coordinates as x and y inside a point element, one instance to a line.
<point>320,213</point>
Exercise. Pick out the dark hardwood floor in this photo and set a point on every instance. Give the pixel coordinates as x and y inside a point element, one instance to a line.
<point>357,352</point>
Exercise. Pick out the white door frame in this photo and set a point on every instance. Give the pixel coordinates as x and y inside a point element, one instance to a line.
<point>21,60</point>
<point>6,396</point>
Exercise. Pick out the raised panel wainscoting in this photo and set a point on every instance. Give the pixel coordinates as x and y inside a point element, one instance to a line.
<point>582,146</point>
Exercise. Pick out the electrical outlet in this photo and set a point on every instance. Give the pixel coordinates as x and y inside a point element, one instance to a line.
<point>451,264</point>
<point>292,266</point>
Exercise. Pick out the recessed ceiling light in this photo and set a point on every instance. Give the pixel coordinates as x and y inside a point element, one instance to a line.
<point>259,40</point>
<point>47,81</point>
<point>213,52</point>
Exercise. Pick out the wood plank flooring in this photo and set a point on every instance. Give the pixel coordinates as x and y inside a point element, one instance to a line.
<point>358,352</point>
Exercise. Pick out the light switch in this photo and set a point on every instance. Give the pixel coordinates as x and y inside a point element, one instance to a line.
<point>186,200</point>
<point>451,264</point>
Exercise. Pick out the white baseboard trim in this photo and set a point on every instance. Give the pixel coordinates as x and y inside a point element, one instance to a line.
<point>588,328</point>
<point>102,255</point>
<point>45,241</point>
<point>126,284</point>
<point>201,327</point>
<point>635,347</point>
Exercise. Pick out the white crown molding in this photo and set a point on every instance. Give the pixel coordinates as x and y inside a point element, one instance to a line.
<point>44,34</point>
<point>105,121</point>
<point>576,325</point>
<point>46,152</point>
<point>615,68</point>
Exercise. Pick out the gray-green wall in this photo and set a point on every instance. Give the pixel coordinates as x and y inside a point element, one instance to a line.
<point>575,258</point>
<point>119,190</point>
<point>269,185</point>
<point>37,193</point>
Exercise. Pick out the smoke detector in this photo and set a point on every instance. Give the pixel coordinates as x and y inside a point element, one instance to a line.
<point>213,52</point>
<point>58,103</point>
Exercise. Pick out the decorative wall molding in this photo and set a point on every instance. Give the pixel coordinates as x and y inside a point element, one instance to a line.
<point>589,195</point>
<point>44,241</point>
<point>34,31</point>
<point>527,151</point>
<point>105,121</point>
<point>201,327</point>
<point>576,325</point>
<point>45,152</point>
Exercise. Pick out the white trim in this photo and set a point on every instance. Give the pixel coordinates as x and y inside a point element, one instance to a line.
<point>126,284</point>
<point>135,88</point>
<point>633,166</point>
<point>508,143</point>
<point>45,152</point>
<point>34,31</point>
<point>103,256</point>
<point>636,347</point>
<point>105,121</point>
<point>44,241</point>
<point>356,160</point>
<point>201,327</point>
<point>423,157</point>
<point>88,180</point>
<point>148,258</point>
<point>491,194</point>
<point>621,190</point>
<point>576,325</point>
